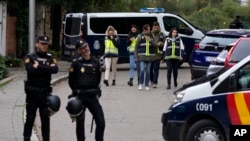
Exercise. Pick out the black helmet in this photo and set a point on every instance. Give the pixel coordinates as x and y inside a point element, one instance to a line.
<point>75,107</point>
<point>102,62</point>
<point>53,104</point>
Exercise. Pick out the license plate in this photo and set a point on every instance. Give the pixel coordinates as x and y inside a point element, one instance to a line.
<point>66,52</point>
<point>209,58</point>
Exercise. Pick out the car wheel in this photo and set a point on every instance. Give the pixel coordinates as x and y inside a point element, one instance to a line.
<point>205,130</point>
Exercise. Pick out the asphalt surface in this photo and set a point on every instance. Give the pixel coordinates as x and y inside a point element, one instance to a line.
<point>130,114</point>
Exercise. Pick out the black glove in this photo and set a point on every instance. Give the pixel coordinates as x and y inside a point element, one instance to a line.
<point>70,96</point>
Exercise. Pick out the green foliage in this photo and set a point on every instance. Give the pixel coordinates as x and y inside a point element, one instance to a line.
<point>3,69</point>
<point>209,18</point>
<point>13,62</point>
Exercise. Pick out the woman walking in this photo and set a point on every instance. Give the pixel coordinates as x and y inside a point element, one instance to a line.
<point>173,51</point>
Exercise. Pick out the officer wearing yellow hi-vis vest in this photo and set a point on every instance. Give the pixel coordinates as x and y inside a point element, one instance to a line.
<point>111,42</point>
<point>173,51</point>
<point>132,35</point>
<point>144,53</point>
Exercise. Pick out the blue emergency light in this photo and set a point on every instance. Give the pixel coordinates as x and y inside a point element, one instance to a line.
<point>152,10</point>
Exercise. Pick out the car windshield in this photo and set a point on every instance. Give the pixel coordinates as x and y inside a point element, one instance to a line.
<point>219,39</point>
<point>241,50</point>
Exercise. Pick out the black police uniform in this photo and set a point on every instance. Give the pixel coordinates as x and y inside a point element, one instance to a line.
<point>84,80</point>
<point>37,88</point>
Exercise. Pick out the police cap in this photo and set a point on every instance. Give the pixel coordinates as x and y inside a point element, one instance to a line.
<point>43,39</point>
<point>81,44</point>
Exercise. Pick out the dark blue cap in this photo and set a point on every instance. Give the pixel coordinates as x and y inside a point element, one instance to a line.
<point>43,39</point>
<point>81,43</point>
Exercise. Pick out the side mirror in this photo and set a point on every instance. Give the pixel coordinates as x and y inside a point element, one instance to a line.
<point>189,31</point>
<point>232,82</point>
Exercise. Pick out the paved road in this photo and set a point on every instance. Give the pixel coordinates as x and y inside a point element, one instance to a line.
<point>131,115</point>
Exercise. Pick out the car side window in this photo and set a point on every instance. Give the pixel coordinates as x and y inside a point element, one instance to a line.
<point>172,22</point>
<point>237,81</point>
<point>244,78</point>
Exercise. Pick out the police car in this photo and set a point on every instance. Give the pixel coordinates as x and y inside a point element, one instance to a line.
<point>207,108</point>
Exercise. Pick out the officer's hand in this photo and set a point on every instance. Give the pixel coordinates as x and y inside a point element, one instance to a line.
<point>70,96</point>
<point>52,65</point>
<point>131,39</point>
<point>36,64</point>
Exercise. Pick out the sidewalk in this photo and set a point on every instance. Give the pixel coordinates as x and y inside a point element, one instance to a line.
<point>12,102</point>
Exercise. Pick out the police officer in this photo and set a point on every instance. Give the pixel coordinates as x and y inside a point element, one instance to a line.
<point>236,23</point>
<point>159,38</point>
<point>173,52</point>
<point>84,80</point>
<point>39,66</point>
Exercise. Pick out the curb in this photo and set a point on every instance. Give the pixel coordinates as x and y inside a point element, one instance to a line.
<point>7,80</point>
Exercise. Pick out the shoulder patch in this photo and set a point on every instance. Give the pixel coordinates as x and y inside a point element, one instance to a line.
<point>71,69</point>
<point>26,60</point>
<point>54,61</point>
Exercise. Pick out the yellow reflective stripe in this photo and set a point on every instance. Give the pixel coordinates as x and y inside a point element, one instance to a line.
<point>147,48</point>
<point>173,49</point>
<point>242,108</point>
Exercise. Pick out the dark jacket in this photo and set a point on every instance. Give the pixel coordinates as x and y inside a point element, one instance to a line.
<point>41,76</point>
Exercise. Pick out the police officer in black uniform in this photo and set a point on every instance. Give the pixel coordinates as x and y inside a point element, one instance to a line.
<point>84,80</point>
<point>39,66</point>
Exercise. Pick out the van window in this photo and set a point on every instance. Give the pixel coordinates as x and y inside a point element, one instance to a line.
<point>72,26</point>
<point>172,22</point>
<point>122,25</point>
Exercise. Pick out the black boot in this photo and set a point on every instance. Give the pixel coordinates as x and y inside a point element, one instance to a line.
<point>130,82</point>
<point>168,87</point>
<point>26,139</point>
<point>175,83</point>
<point>113,83</point>
<point>106,82</point>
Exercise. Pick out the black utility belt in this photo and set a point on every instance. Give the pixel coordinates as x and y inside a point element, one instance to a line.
<point>38,90</point>
<point>87,92</point>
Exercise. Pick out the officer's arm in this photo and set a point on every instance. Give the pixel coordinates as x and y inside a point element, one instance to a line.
<point>116,41</point>
<point>99,73</point>
<point>72,76</point>
<point>153,43</point>
<point>29,62</point>
<point>52,68</point>
<point>164,49</point>
<point>138,40</point>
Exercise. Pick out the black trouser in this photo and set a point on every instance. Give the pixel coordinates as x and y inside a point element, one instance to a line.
<point>92,103</point>
<point>154,71</point>
<point>172,65</point>
<point>33,102</point>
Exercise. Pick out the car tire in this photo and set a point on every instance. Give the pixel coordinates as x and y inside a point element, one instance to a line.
<point>205,130</point>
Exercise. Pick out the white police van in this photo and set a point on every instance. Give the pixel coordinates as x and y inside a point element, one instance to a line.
<point>92,27</point>
<point>211,107</point>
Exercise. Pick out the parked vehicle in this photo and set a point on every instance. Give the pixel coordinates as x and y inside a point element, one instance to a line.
<point>218,63</point>
<point>210,47</point>
<point>239,51</point>
<point>92,26</point>
<point>209,108</point>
